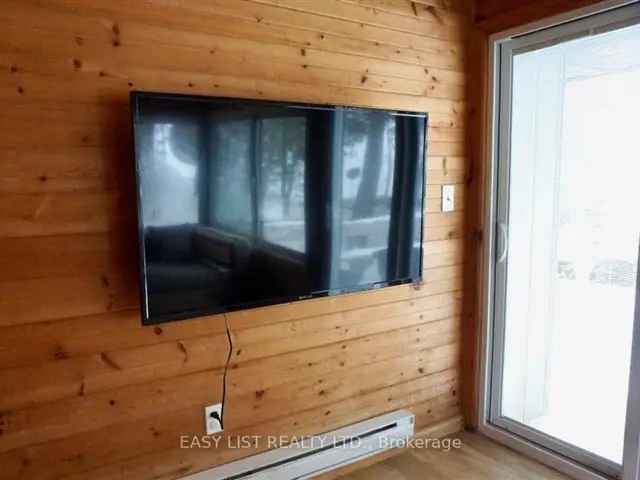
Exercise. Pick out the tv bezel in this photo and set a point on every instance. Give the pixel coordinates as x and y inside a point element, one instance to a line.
<point>221,310</point>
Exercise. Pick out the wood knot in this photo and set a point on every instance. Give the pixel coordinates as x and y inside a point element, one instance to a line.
<point>109,361</point>
<point>432,10</point>
<point>60,354</point>
<point>183,349</point>
<point>468,180</point>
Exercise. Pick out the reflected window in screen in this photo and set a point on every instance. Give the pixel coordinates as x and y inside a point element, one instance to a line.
<point>283,146</point>
<point>367,191</point>
<point>231,208</point>
<point>172,162</point>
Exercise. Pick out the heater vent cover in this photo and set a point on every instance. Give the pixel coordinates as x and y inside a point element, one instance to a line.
<point>320,453</point>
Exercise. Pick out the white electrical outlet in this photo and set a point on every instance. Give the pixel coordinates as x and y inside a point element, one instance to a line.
<point>213,418</point>
<point>448,192</point>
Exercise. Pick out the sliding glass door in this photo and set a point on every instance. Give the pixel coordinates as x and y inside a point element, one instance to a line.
<point>568,228</point>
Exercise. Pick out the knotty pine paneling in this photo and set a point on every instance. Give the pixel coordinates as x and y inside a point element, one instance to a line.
<point>85,390</point>
<point>493,16</point>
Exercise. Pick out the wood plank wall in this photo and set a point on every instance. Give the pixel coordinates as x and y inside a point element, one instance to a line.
<point>85,390</point>
<point>493,16</point>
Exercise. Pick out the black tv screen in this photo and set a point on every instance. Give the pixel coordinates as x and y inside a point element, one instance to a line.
<point>243,203</point>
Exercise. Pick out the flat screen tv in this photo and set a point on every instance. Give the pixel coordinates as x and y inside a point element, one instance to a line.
<point>244,203</point>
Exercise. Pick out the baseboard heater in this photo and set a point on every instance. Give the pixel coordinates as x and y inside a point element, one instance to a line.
<point>320,453</point>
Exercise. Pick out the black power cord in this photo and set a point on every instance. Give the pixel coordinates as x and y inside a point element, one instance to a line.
<point>226,369</point>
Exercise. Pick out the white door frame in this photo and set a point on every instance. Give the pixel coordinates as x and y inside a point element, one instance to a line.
<point>631,460</point>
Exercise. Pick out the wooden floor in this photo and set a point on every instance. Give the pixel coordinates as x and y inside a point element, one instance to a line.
<point>478,459</point>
